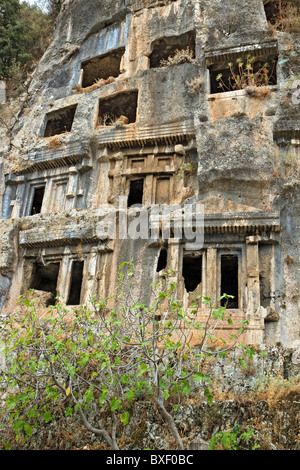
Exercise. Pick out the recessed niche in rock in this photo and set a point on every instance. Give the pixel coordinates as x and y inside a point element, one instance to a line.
<point>233,75</point>
<point>136,190</point>
<point>45,278</point>
<point>120,109</point>
<point>37,202</point>
<point>60,121</point>
<point>75,284</point>
<point>230,280</point>
<point>162,195</point>
<point>102,67</point>
<point>166,47</point>
<point>192,272</point>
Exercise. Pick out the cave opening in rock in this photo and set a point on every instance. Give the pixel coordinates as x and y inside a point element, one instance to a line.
<point>136,192</point>
<point>225,78</point>
<point>162,260</point>
<point>37,202</point>
<point>45,279</point>
<point>166,47</point>
<point>60,121</point>
<point>229,280</point>
<point>119,108</point>
<point>192,272</point>
<point>75,283</point>
<point>102,67</point>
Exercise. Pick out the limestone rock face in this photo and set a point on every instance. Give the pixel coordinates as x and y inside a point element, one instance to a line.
<point>135,102</point>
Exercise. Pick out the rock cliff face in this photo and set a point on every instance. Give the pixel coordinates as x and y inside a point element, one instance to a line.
<point>134,102</point>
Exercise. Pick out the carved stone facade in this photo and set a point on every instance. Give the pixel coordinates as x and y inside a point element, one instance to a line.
<point>111,122</point>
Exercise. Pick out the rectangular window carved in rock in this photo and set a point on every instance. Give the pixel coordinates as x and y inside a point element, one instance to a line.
<point>45,279</point>
<point>75,283</point>
<point>192,272</point>
<point>243,72</point>
<point>162,191</point>
<point>136,190</point>
<point>118,110</point>
<point>102,67</point>
<point>230,280</point>
<point>60,121</point>
<point>173,50</point>
<point>37,201</point>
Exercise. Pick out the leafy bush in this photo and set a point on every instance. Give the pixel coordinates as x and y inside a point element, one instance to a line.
<point>233,439</point>
<point>106,358</point>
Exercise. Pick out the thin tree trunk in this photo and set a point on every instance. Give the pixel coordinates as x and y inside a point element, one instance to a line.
<point>100,432</point>
<point>169,419</point>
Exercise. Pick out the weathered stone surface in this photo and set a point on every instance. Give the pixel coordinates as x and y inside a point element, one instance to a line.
<point>236,152</point>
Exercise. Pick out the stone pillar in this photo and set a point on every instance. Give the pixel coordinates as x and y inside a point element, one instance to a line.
<point>71,188</point>
<point>211,273</point>
<point>253,286</point>
<point>254,315</point>
<point>90,289</point>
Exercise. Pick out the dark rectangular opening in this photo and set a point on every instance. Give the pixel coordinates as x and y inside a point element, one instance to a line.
<point>180,48</point>
<point>192,272</point>
<point>45,279</point>
<point>162,260</point>
<point>37,201</point>
<point>229,280</point>
<point>136,192</point>
<point>119,108</point>
<point>60,121</point>
<point>102,67</point>
<point>76,282</point>
<point>225,77</point>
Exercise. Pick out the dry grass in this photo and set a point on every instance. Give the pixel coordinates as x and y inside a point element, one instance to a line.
<point>54,142</point>
<point>180,56</point>
<point>287,19</point>
<point>98,84</point>
<point>258,92</point>
<point>194,85</point>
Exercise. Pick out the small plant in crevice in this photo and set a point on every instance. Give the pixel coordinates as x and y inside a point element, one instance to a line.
<point>180,56</point>
<point>194,85</point>
<point>110,120</point>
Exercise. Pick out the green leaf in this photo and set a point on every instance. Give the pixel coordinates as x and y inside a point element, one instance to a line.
<point>243,363</point>
<point>130,395</point>
<point>125,418</point>
<point>69,411</point>
<point>47,416</point>
<point>166,394</point>
<point>28,429</point>
<point>198,377</point>
<point>115,404</point>
<point>209,396</point>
